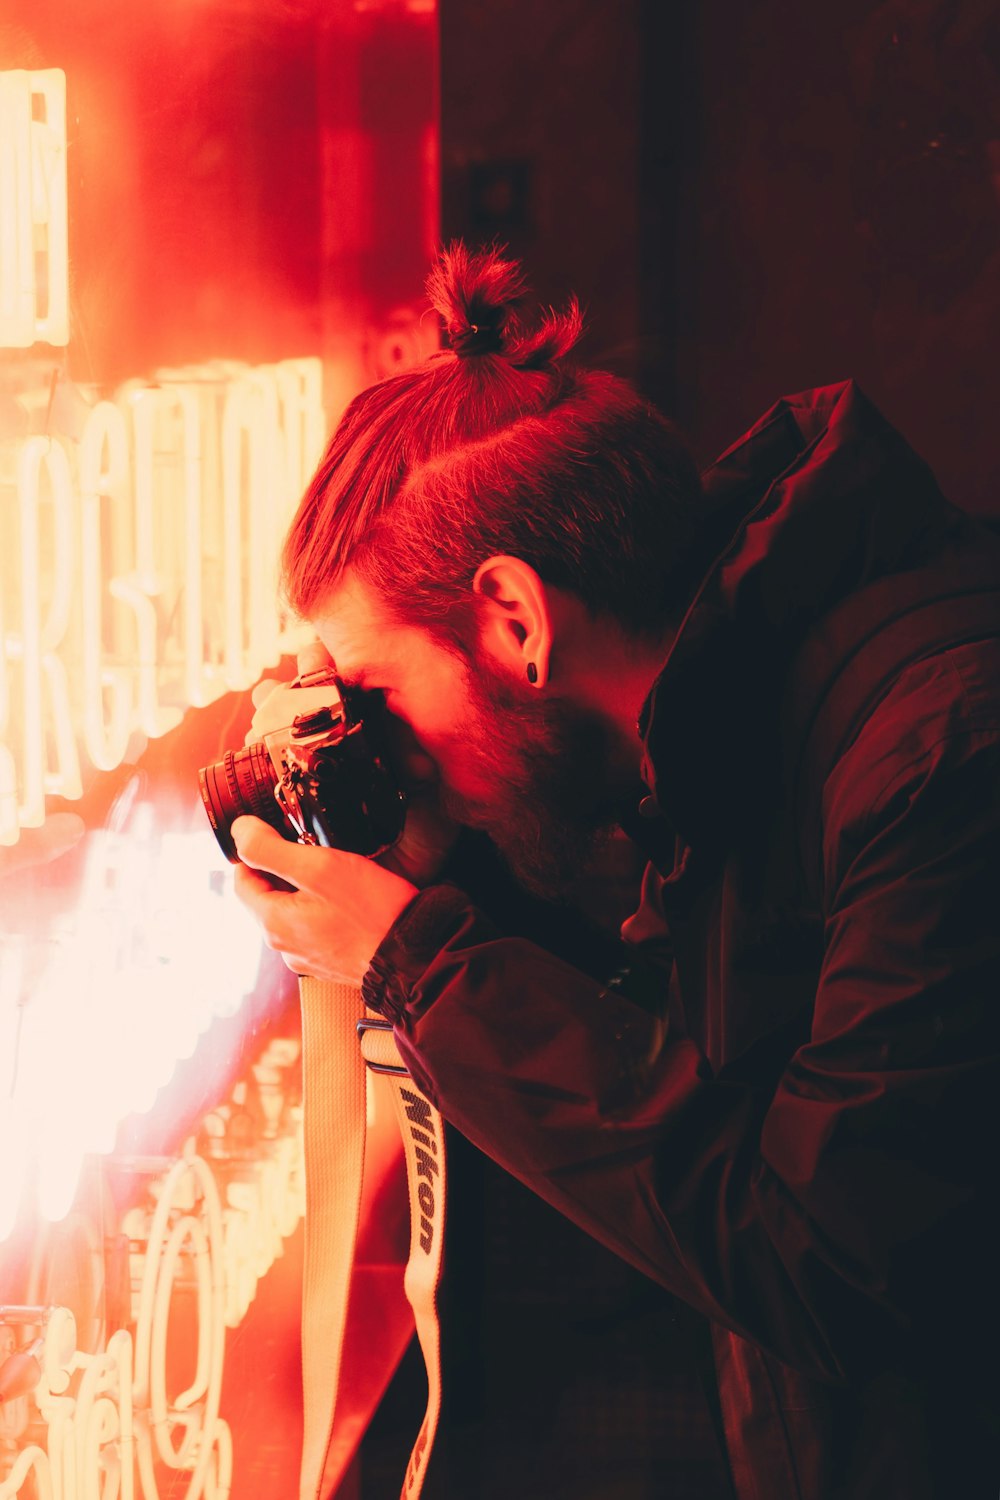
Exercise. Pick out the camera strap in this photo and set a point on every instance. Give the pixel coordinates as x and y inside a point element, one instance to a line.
<point>334,1122</point>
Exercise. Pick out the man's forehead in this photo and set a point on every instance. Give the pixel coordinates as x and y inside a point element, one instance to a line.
<point>355,652</point>
<point>354,630</point>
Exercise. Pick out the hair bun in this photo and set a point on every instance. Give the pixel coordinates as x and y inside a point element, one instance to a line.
<point>480,296</point>
<point>477,338</point>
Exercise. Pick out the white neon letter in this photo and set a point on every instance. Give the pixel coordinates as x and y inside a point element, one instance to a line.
<point>48,170</point>
<point>106,740</point>
<point>17,255</point>
<point>249,474</point>
<point>33,196</point>
<point>37,647</point>
<point>135,589</point>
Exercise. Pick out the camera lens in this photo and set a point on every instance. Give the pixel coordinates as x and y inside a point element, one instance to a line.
<point>243,781</point>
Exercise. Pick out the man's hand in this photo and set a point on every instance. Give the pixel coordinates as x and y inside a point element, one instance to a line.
<point>332,910</point>
<point>277,703</point>
<point>429,834</point>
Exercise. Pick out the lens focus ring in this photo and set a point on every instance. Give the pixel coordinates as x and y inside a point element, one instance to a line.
<point>251,781</point>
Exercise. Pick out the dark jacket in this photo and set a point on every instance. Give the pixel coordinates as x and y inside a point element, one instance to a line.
<point>783,1104</point>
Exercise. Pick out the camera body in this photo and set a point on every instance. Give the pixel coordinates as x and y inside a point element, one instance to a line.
<point>324,778</point>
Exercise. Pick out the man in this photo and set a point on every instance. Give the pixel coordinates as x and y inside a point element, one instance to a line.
<point>777,1096</point>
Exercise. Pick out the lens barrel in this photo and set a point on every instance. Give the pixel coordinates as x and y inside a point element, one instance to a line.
<point>243,781</point>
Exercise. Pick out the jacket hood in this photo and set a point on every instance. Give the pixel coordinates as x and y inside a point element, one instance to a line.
<point>821,497</point>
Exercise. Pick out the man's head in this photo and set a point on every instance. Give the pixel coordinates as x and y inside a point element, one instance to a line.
<point>539,768</point>
<point>498,509</point>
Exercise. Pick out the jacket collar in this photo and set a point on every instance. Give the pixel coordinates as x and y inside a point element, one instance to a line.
<point>821,496</point>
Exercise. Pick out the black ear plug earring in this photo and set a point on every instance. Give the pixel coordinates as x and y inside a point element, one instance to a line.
<point>532,673</point>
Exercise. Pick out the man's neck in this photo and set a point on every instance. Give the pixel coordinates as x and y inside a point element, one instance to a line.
<point>611,674</point>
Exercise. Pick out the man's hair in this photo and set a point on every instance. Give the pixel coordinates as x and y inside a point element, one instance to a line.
<point>498,445</point>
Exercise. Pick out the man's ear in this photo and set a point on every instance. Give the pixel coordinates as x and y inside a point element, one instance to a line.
<point>516,624</point>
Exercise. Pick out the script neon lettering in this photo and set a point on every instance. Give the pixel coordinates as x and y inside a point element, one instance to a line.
<point>141,571</point>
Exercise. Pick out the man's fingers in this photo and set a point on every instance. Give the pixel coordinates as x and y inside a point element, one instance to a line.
<point>276,918</point>
<point>334,911</point>
<point>256,891</point>
<point>277,709</point>
<point>262,848</point>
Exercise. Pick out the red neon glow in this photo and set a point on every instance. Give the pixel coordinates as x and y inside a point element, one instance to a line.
<point>155,948</point>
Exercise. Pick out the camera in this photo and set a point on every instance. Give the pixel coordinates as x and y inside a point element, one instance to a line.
<point>323,779</point>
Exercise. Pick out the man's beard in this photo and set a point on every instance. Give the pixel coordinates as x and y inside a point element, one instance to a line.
<point>549,764</point>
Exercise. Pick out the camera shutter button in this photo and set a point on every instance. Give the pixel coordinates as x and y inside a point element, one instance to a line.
<point>316,722</point>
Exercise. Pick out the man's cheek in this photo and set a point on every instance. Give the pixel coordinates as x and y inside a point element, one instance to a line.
<point>410,755</point>
<point>418,768</point>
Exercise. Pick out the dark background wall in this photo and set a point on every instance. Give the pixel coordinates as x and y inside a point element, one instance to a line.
<point>750,199</point>
<point>563,133</point>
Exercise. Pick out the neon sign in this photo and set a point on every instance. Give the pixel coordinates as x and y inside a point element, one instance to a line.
<point>156,947</point>
<point>141,577</point>
<point>34,264</point>
<point>105,1422</point>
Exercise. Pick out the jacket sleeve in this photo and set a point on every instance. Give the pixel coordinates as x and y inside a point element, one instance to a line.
<point>834,1219</point>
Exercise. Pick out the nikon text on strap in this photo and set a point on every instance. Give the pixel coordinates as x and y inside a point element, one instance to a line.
<point>333,1019</point>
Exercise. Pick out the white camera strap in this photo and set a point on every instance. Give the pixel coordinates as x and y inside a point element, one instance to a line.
<point>333,1020</point>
